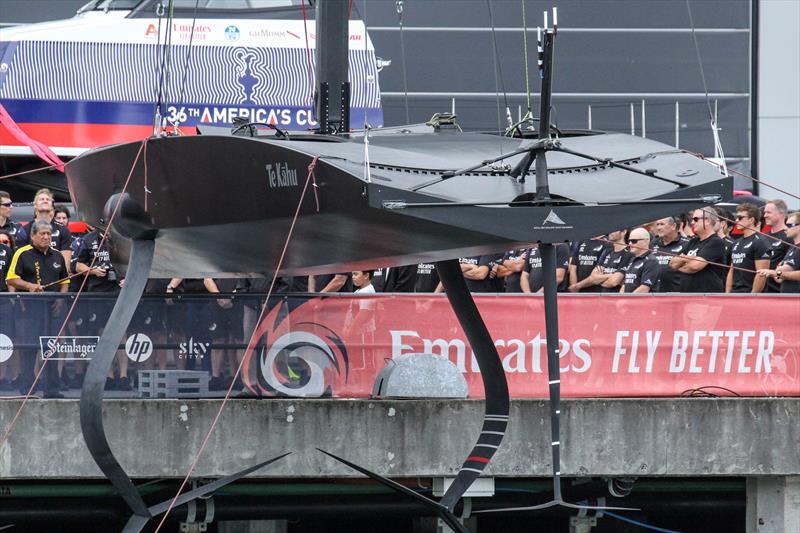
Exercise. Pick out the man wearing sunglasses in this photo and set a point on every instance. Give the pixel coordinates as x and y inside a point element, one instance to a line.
<point>751,252</point>
<point>641,273</point>
<point>669,243</point>
<point>695,268</point>
<point>6,224</point>
<point>775,217</point>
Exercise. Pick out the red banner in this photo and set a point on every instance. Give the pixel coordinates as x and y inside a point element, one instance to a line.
<point>610,346</point>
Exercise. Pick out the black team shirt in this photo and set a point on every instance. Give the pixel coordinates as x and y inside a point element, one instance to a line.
<point>92,251</point>
<point>613,262</point>
<point>642,270</point>
<point>512,280</point>
<point>533,266</point>
<point>711,278</point>
<point>744,254</point>
<point>427,278</point>
<point>669,279</point>
<point>779,249</point>
<point>792,259</point>
<point>486,284</point>
<point>586,258</point>
<point>5,262</point>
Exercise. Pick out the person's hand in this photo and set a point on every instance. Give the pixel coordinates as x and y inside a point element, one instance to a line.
<point>767,273</point>
<point>573,288</point>
<point>121,283</point>
<point>98,272</point>
<point>225,303</point>
<point>37,288</point>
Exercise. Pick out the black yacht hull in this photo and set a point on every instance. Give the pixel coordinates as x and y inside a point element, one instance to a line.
<point>223,206</point>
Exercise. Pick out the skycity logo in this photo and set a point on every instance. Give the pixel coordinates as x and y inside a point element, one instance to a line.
<point>192,349</point>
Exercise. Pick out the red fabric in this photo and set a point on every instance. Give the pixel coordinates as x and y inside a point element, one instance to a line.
<point>611,346</point>
<point>42,150</point>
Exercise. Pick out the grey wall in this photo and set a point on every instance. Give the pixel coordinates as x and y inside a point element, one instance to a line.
<point>779,98</point>
<point>609,54</point>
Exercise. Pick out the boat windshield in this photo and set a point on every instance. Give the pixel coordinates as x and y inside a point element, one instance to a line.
<point>107,5</point>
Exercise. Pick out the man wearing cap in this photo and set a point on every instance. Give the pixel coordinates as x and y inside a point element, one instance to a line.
<point>641,273</point>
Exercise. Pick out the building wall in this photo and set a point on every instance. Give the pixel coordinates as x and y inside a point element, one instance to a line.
<point>779,99</point>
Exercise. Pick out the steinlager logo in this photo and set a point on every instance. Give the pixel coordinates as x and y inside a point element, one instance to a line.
<point>68,348</point>
<point>6,348</point>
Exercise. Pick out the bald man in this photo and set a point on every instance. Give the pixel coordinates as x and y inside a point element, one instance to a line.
<point>641,273</point>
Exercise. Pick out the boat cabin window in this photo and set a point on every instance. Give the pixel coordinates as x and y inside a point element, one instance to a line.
<point>221,8</point>
<point>109,5</point>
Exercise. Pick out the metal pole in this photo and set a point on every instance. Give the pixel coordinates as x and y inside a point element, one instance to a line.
<point>548,253</point>
<point>633,121</point>
<point>542,184</point>
<point>677,124</point>
<point>590,116</point>
<point>644,121</point>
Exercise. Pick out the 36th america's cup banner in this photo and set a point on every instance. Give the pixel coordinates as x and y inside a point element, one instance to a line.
<point>609,345</point>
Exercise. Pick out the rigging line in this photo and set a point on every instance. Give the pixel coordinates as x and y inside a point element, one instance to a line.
<point>525,49</point>
<point>496,80</point>
<point>399,5</point>
<point>308,54</point>
<point>714,128</point>
<point>16,416</point>
<point>252,341</point>
<point>747,176</point>
<point>364,96</point>
<point>26,172</point>
<point>157,111</point>
<point>168,78</point>
<point>188,57</point>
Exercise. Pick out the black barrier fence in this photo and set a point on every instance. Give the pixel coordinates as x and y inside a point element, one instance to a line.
<point>202,335</point>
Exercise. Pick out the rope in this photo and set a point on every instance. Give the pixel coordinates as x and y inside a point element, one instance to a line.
<point>525,49</point>
<point>252,342</point>
<point>767,235</point>
<point>496,75</point>
<point>186,63</point>
<point>714,128</point>
<point>27,172</point>
<point>14,420</point>
<point>403,56</point>
<point>747,176</point>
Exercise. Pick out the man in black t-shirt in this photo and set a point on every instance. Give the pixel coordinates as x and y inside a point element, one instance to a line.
<point>477,273</point>
<point>331,283</point>
<point>532,277</point>
<point>641,272</point>
<point>14,229</point>
<point>775,216</point>
<point>511,267</point>
<point>668,243</point>
<point>751,252</point>
<point>60,236</point>
<point>586,258</point>
<point>696,273</point>
<point>427,278</point>
<point>787,273</point>
<point>608,274</point>
<point>397,279</point>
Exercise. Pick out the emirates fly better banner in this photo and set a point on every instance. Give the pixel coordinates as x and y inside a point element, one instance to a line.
<point>609,345</point>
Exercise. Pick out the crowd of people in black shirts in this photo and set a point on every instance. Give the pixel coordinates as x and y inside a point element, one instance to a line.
<point>710,250</point>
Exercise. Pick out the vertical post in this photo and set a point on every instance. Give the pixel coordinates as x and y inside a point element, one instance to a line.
<point>590,116</point>
<point>332,63</point>
<point>644,120</point>
<point>548,253</point>
<point>633,121</point>
<point>677,124</point>
<point>548,42</point>
<point>717,154</point>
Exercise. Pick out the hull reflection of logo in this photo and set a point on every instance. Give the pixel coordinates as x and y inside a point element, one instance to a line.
<point>302,361</point>
<point>6,348</point>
